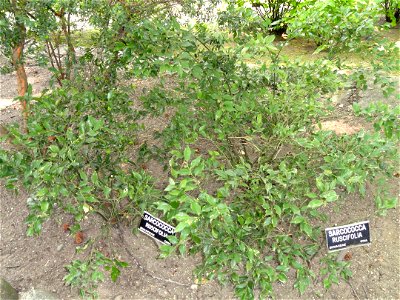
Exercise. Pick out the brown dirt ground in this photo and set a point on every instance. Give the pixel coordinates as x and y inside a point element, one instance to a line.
<point>39,262</point>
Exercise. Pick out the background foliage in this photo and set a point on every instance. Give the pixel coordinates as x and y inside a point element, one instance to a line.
<point>250,202</point>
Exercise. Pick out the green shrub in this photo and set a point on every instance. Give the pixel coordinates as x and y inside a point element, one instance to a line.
<point>86,275</point>
<point>392,10</point>
<point>74,157</point>
<point>242,20</point>
<point>261,219</point>
<point>250,201</point>
<point>334,24</point>
<point>257,16</point>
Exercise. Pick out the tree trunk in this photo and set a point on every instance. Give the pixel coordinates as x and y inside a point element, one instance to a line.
<point>22,80</point>
<point>17,55</point>
<point>71,55</point>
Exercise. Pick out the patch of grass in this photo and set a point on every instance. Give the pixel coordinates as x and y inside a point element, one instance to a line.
<point>84,38</point>
<point>81,38</point>
<point>303,50</point>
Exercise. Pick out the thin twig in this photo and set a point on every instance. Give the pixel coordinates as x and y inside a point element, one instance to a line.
<point>247,139</point>
<point>139,265</point>
<point>315,254</point>
<point>277,152</point>
<point>352,288</point>
<point>218,148</point>
<point>239,137</point>
<point>54,55</point>
<point>365,291</point>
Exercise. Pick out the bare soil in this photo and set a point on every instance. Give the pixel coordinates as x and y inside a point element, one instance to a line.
<point>40,262</point>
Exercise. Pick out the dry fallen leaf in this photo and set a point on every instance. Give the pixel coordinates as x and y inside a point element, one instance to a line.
<point>66,227</point>
<point>202,281</point>
<point>79,237</point>
<point>348,256</point>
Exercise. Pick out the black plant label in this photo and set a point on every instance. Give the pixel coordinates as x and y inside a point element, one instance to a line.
<point>156,228</point>
<point>340,237</point>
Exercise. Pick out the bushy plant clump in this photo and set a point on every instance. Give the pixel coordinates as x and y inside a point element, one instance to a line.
<point>250,201</point>
<point>335,24</point>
